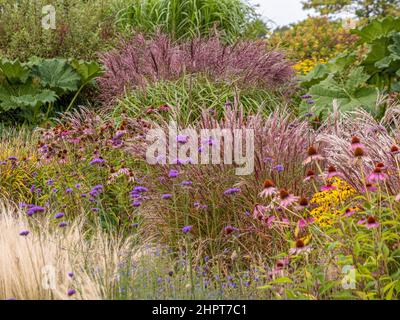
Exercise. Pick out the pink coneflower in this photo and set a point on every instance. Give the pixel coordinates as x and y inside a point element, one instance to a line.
<point>333,173</point>
<point>349,212</point>
<point>269,221</point>
<point>358,152</point>
<point>279,265</point>
<point>328,187</point>
<point>397,198</point>
<point>377,175</point>
<point>370,187</point>
<point>356,143</point>
<point>286,199</point>
<point>269,189</point>
<point>370,222</point>
<point>259,212</point>
<point>309,175</point>
<point>299,247</point>
<point>303,203</point>
<point>394,149</point>
<point>229,229</point>
<point>312,155</point>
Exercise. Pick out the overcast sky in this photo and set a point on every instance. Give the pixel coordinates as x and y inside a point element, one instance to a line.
<point>281,12</point>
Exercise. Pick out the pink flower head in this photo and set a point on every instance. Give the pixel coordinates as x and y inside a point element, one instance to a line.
<point>328,187</point>
<point>370,222</point>
<point>312,155</point>
<point>377,175</point>
<point>333,173</point>
<point>310,175</point>
<point>286,199</point>
<point>259,212</point>
<point>299,247</point>
<point>269,189</point>
<point>356,143</point>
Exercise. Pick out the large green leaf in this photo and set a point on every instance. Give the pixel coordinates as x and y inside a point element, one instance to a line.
<point>57,75</point>
<point>87,70</point>
<point>378,28</point>
<point>14,71</point>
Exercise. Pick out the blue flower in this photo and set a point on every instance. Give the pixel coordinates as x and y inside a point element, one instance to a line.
<point>231,191</point>
<point>24,233</point>
<point>166,196</point>
<point>173,173</point>
<point>59,215</point>
<point>186,229</point>
<point>34,209</point>
<point>97,161</point>
<point>279,168</point>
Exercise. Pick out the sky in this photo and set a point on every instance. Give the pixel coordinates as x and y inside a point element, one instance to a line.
<point>281,12</point>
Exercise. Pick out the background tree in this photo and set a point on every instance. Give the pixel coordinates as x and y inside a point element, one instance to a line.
<point>361,8</point>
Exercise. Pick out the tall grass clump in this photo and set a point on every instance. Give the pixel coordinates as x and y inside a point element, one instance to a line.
<point>185,99</point>
<point>191,18</point>
<point>140,61</point>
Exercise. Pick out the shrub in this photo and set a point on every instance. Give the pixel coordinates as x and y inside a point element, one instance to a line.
<point>139,62</point>
<point>313,38</point>
<point>82,29</point>
<point>191,18</point>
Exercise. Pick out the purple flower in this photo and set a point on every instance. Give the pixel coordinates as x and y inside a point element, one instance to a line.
<point>34,209</point>
<point>182,138</point>
<point>136,204</point>
<point>166,196</point>
<point>70,274</point>
<point>32,188</point>
<point>173,173</point>
<point>59,215</point>
<point>231,191</point>
<point>96,190</point>
<point>12,158</point>
<point>83,195</point>
<point>95,209</point>
<point>306,96</point>
<point>62,224</point>
<point>71,292</point>
<point>68,190</point>
<point>24,233</point>
<point>78,185</point>
<point>187,183</point>
<point>310,101</point>
<point>97,161</point>
<point>186,229</point>
<point>50,182</point>
<point>279,168</point>
<point>139,189</point>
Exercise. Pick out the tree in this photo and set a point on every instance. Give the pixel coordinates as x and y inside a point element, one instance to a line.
<point>361,8</point>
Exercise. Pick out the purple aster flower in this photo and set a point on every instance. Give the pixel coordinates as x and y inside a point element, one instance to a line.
<point>12,158</point>
<point>70,274</point>
<point>97,161</point>
<point>96,190</point>
<point>83,195</point>
<point>186,183</point>
<point>182,138</point>
<point>50,182</point>
<point>139,189</point>
<point>68,190</point>
<point>32,188</point>
<point>279,168</point>
<point>306,96</point>
<point>310,101</point>
<point>78,185</point>
<point>231,191</point>
<point>173,173</point>
<point>62,224</point>
<point>95,209</point>
<point>59,215</point>
<point>24,233</point>
<point>186,229</point>
<point>166,196</point>
<point>34,209</point>
<point>71,292</point>
<point>136,204</point>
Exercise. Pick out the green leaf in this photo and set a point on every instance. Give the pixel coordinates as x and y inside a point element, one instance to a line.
<point>56,74</point>
<point>87,70</point>
<point>378,28</point>
<point>14,71</point>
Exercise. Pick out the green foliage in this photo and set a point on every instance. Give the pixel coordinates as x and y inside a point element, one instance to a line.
<point>25,88</point>
<point>353,79</point>
<point>190,95</point>
<point>191,18</point>
<point>82,28</point>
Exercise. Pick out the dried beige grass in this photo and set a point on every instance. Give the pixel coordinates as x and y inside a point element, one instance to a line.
<point>95,261</point>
